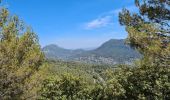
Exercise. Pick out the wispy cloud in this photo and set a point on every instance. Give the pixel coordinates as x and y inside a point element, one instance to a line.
<point>106,18</point>
<point>99,22</point>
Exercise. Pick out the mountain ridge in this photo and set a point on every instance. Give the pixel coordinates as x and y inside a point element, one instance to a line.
<point>114,51</point>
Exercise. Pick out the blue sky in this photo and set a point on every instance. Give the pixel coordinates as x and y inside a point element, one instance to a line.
<point>72,23</point>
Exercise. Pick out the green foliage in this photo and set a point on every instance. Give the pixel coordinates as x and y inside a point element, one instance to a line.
<point>25,75</point>
<point>148,32</point>
<point>141,81</point>
<point>68,87</point>
<point>145,81</point>
<point>20,56</point>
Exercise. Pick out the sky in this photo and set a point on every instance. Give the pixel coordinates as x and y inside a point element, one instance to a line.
<point>72,24</point>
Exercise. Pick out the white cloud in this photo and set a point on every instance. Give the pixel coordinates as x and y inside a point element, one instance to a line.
<point>99,22</point>
<point>106,18</point>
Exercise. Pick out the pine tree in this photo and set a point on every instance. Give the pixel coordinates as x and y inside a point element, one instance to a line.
<point>20,55</point>
<point>149,30</point>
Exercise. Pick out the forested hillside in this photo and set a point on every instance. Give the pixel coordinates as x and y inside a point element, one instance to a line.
<point>55,52</point>
<point>113,52</point>
<point>25,73</point>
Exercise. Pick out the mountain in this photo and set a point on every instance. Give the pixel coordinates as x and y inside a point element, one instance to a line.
<point>111,52</point>
<point>56,52</point>
<point>116,49</point>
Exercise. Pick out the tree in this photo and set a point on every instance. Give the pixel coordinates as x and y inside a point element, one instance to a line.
<point>149,31</point>
<point>20,56</point>
<point>67,87</point>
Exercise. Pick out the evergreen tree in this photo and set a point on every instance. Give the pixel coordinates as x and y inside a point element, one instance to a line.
<point>149,31</point>
<point>20,56</point>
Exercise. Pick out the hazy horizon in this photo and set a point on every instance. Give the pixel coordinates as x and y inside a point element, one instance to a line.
<point>87,48</point>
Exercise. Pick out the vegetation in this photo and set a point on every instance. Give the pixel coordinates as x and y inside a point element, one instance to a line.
<point>113,51</point>
<point>20,56</point>
<point>24,74</point>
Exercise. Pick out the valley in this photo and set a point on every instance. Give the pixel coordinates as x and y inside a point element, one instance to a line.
<point>114,51</point>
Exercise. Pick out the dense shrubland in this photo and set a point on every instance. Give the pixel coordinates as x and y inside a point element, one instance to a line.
<point>25,74</point>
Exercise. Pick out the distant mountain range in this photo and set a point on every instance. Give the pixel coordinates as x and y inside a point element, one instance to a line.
<point>113,51</point>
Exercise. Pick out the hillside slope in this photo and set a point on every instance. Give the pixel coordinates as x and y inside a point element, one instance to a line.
<point>111,52</point>
<point>55,52</point>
